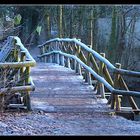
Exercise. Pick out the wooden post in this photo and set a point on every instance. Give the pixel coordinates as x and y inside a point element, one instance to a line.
<point>45,59</point>
<point>22,82</point>
<point>57,58</point>
<point>53,58</point>
<point>62,60</point>
<point>50,58</point>
<point>101,85</point>
<point>68,62</point>
<point>46,48</point>
<point>27,80</point>
<point>16,55</point>
<point>89,78</point>
<point>78,69</point>
<point>22,59</point>
<point>88,74</point>
<point>115,98</point>
<point>74,64</point>
<point>85,75</point>
<point>2,99</point>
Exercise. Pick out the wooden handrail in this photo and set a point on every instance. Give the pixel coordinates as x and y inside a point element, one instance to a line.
<point>29,59</point>
<point>96,55</point>
<point>16,68</point>
<point>97,76</point>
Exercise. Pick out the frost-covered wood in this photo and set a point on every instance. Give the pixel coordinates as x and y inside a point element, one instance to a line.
<point>95,54</point>
<point>98,77</point>
<point>15,64</point>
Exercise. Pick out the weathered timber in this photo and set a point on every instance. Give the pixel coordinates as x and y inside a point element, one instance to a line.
<point>62,60</point>
<point>130,98</point>
<point>116,85</point>
<point>100,89</point>
<point>57,60</point>
<point>67,62</point>
<point>96,55</point>
<point>98,77</point>
<point>27,96</point>
<point>93,62</point>
<point>78,69</point>
<point>15,77</point>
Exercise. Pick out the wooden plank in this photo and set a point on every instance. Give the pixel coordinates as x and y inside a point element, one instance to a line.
<point>19,106</point>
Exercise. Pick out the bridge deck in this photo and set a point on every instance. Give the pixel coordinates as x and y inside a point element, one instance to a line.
<point>59,89</point>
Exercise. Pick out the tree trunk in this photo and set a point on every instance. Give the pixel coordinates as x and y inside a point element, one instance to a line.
<point>60,15</point>
<point>112,42</point>
<point>95,29</point>
<point>91,28</point>
<point>48,30</point>
<point>121,39</point>
<point>71,23</point>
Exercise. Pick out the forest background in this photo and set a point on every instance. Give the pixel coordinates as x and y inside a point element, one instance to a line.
<point>112,29</point>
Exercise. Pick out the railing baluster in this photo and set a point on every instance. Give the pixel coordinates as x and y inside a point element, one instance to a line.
<point>74,63</point>
<point>27,96</point>
<point>101,89</point>
<point>116,85</point>
<point>78,69</point>
<point>16,55</point>
<point>57,58</point>
<point>50,58</point>
<point>130,98</point>
<point>62,60</point>
<point>46,59</point>
<point>22,59</point>
<point>68,62</point>
<point>88,75</point>
<point>2,97</point>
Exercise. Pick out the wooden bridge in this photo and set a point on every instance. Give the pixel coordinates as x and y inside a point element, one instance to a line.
<point>70,76</point>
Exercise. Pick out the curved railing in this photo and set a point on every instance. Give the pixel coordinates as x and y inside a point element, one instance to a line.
<point>73,53</point>
<point>95,54</point>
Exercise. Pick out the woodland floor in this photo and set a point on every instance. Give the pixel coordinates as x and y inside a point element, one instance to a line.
<point>41,123</point>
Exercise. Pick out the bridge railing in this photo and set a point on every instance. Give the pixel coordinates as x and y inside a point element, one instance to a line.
<point>93,66</point>
<point>15,80</point>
